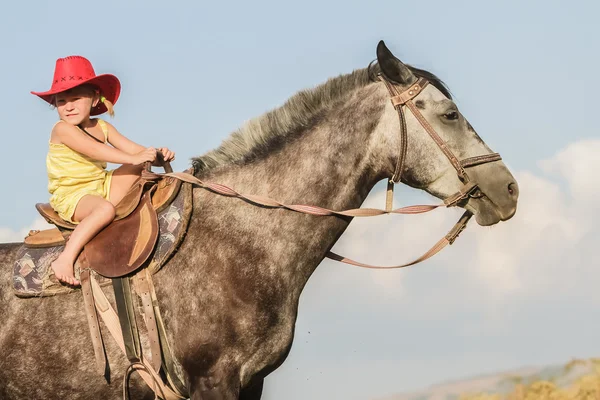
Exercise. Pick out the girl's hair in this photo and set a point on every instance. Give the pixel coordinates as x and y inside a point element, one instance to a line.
<point>109,105</point>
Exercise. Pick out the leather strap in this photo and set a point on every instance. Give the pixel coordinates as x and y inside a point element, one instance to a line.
<point>403,147</point>
<point>111,320</point>
<point>127,319</point>
<point>142,286</point>
<point>446,240</point>
<point>438,140</point>
<point>389,196</point>
<point>173,378</point>
<point>451,201</point>
<point>398,100</point>
<point>464,192</point>
<point>301,208</point>
<point>477,160</point>
<point>92,317</point>
<point>140,366</point>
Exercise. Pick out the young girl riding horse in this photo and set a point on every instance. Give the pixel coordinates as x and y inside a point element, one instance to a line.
<point>82,191</point>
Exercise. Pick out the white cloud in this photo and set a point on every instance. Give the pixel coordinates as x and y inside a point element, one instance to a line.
<point>538,252</point>
<point>578,164</point>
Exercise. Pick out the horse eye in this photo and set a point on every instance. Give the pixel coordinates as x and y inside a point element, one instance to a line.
<point>451,115</point>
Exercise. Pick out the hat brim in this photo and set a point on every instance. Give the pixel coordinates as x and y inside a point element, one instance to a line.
<point>108,85</point>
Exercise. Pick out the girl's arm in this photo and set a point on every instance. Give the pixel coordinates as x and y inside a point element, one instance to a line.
<point>121,142</point>
<point>72,137</point>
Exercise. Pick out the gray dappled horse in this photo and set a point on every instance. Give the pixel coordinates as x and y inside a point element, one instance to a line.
<point>230,295</point>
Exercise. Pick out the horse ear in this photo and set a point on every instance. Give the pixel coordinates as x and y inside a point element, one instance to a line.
<point>392,68</point>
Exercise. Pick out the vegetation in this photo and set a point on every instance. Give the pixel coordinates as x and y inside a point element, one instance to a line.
<point>586,387</point>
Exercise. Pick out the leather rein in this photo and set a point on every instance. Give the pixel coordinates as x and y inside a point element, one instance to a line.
<point>400,100</point>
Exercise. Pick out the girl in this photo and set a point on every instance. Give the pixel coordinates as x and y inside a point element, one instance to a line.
<point>82,191</point>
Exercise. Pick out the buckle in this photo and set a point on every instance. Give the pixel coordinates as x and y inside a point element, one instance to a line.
<point>465,192</point>
<point>459,227</point>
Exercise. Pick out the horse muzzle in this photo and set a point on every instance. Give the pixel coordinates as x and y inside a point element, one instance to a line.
<point>494,201</point>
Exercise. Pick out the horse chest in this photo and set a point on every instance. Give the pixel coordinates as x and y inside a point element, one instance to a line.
<point>271,351</point>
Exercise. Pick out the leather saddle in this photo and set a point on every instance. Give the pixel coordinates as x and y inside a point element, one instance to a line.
<point>127,242</point>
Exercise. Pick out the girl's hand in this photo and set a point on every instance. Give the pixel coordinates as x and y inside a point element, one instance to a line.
<point>167,154</point>
<point>148,154</point>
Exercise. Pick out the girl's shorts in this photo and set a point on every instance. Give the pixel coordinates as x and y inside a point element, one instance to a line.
<point>65,199</point>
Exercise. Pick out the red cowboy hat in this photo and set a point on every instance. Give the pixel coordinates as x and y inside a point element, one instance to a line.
<point>73,71</point>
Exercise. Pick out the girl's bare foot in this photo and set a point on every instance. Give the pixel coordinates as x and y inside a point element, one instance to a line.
<point>63,270</point>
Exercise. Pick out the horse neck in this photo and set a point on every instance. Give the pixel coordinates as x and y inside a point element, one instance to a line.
<point>333,164</point>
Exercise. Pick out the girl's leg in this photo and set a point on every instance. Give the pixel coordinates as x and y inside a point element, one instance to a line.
<point>94,213</point>
<point>122,180</point>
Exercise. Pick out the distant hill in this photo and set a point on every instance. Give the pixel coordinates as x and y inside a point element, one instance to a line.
<point>505,382</point>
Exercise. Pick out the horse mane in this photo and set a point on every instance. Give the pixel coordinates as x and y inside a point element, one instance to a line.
<point>265,133</point>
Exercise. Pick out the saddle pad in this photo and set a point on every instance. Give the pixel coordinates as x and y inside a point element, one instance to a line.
<point>32,276</point>
<point>172,223</point>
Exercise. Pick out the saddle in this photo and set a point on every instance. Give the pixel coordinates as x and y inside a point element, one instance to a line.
<point>127,242</point>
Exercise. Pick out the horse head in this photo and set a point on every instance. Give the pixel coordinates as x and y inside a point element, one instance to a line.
<point>442,152</point>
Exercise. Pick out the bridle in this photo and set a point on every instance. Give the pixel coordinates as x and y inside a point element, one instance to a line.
<point>400,100</point>
<point>405,99</point>
<point>470,188</point>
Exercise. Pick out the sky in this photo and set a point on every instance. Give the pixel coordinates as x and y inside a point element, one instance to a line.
<point>525,74</point>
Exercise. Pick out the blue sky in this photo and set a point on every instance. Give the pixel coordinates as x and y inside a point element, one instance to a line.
<point>524,73</point>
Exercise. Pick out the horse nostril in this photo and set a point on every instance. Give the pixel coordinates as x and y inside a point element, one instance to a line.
<point>513,189</point>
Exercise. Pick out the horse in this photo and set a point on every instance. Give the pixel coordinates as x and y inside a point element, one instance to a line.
<point>229,296</point>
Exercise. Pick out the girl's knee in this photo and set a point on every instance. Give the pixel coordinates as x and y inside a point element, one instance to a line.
<point>107,210</point>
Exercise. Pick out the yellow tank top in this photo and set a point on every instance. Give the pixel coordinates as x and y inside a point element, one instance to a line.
<point>68,169</point>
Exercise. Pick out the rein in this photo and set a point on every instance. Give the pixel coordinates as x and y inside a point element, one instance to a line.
<point>399,100</point>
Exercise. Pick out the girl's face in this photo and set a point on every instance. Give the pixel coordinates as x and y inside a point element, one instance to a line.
<point>74,105</point>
